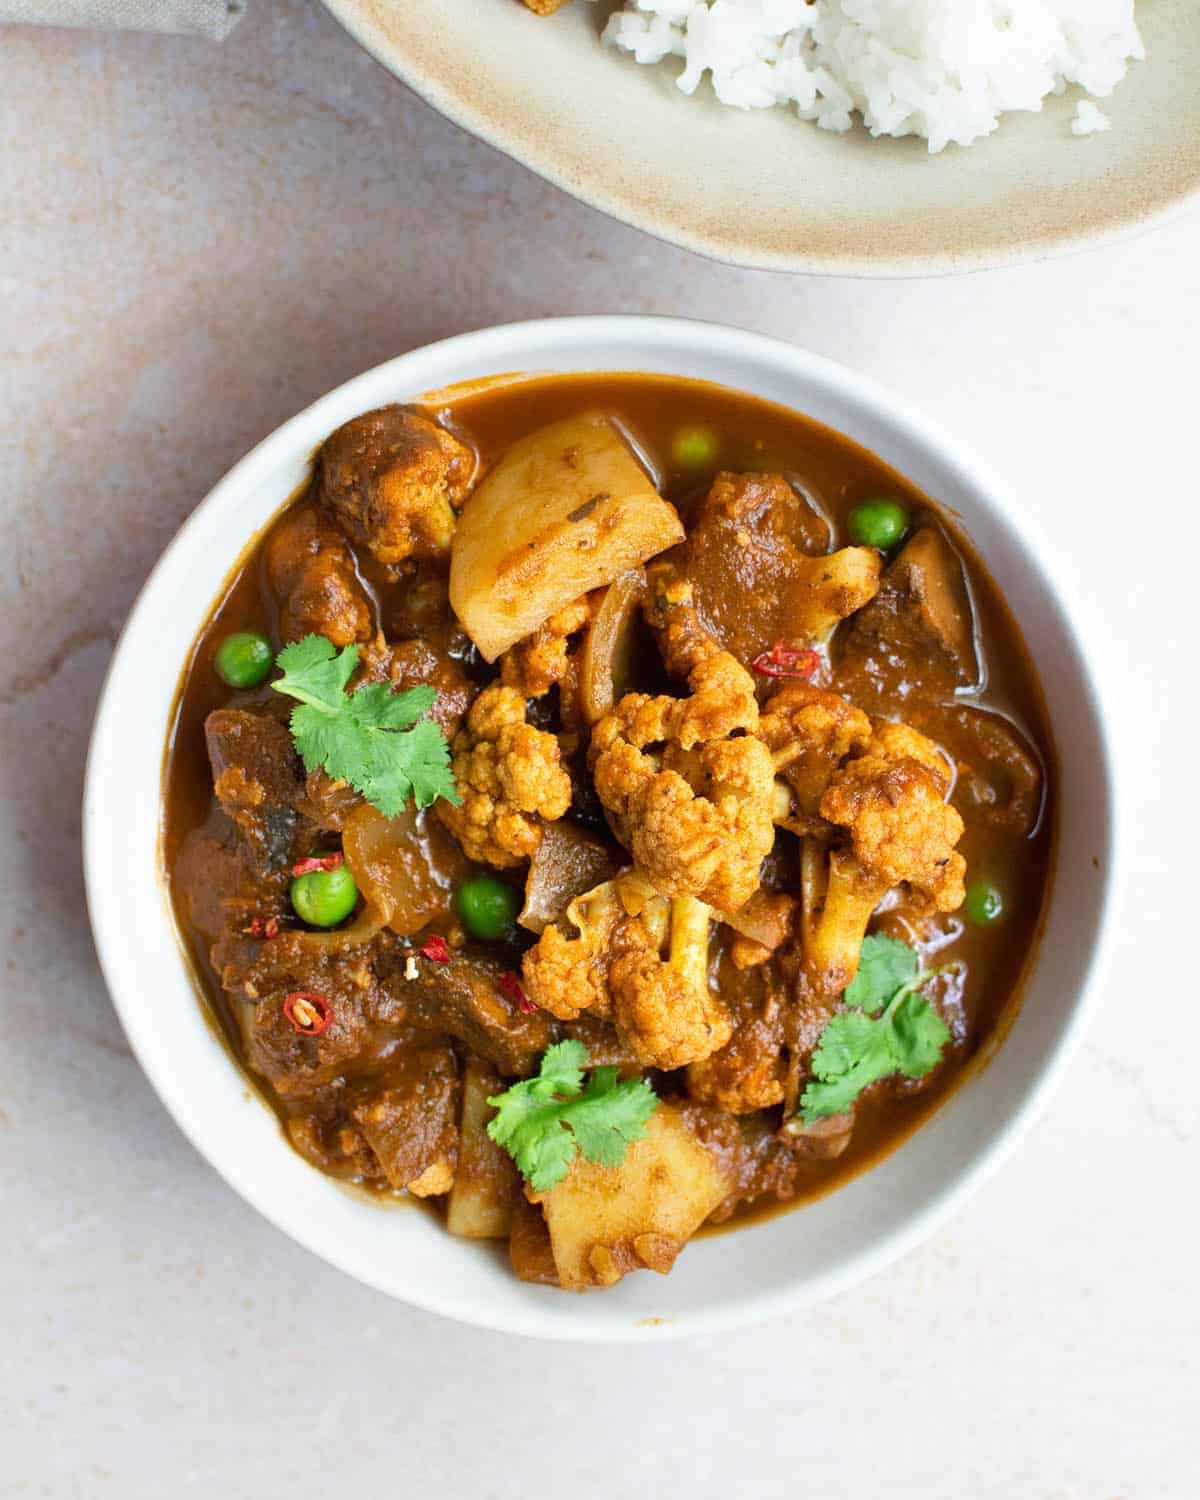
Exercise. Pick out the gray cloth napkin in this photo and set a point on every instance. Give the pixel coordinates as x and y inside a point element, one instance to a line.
<point>210,18</point>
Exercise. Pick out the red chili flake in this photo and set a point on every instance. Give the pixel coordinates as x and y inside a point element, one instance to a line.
<point>309,1013</point>
<point>262,927</point>
<point>511,986</point>
<point>783,660</point>
<point>435,948</point>
<point>316,862</point>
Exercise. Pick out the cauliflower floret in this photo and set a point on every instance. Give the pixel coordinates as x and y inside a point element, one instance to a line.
<point>745,1075</point>
<point>833,588</point>
<point>662,1007</point>
<point>722,702</point>
<point>393,479</point>
<point>897,742</point>
<point>548,658</point>
<point>809,732</point>
<point>697,815</point>
<point>901,827</point>
<point>891,800</point>
<point>510,780</point>
<point>566,975</point>
<point>535,664</point>
<point>839,898</point>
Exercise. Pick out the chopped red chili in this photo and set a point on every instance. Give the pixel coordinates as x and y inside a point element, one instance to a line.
<point>511,986</point>
<point>316,862</point>
<point>783,660</point>
<point>309,1013</point>
<point>262,927</point>
<point>436,948</point>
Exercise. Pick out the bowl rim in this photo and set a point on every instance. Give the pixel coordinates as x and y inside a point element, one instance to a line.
<point>643,335</point>
<point>460,109</point>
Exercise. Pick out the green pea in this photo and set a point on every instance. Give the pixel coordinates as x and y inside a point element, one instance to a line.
<point>878,523</point>
<point>984,903</point>
<point>694,448</point>
<point>243,659</point>
<point>323,898</point>
<point>488,906</point>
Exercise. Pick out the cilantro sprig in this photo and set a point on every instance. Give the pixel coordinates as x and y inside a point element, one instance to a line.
<point>377,740</point>
<point>544,1122</point>
<point>886,1026</point>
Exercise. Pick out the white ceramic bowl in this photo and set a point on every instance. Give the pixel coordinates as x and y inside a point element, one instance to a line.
<point>761,188</point>
<point>785,1263</point>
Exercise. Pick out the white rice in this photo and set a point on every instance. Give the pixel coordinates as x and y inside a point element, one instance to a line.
<point>1088,119</point>
<point>943,69</point>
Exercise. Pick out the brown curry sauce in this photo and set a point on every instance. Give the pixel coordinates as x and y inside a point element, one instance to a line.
<point>833,474</point>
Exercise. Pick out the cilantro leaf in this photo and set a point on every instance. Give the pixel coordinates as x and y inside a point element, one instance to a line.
<point>375,739</point>
<point>884,965</point>
<point>377,706</point>
<point>918,1035</point>
<point>841,1046</point>
<point>423,774</point>
<point>544,1122</point>
<point>861,1048</point>
<point>314,672</point>
<point>885,1026</point>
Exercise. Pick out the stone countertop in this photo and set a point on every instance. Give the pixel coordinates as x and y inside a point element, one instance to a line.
<point>199,240</point>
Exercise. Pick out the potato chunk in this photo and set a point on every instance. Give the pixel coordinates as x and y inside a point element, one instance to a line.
<point>605,1221</point>
<point>480,1203</point>
<point>566,510</point>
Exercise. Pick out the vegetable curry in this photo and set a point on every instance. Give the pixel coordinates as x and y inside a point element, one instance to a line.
<point>603,806</point>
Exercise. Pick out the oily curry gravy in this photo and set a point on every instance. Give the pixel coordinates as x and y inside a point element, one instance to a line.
<point>420,1017</point>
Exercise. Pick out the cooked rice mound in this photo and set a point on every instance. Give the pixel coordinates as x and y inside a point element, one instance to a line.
<point>946,70</point>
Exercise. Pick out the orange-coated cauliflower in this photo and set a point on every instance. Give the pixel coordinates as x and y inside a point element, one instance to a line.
<point>891,800</point>
<point>661,1005</point>
<point>549,658</point>
<point>394,479</point>
<point>747,1074</point>
<point>510,780</point>
<point>663,1008</point>
<point>809,732</point>
<point>567,975</point>
<point>896,742</point>
<point>696,811</point>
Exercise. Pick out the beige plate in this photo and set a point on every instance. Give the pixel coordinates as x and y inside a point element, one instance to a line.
<point>760,188</point>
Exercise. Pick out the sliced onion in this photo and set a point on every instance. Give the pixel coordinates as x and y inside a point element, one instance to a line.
<point>766,918</point>
<point>608,668</point>
<point>405,867</point>
<point>366,924</point>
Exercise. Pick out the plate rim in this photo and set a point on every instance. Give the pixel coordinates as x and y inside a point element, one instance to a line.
<point>1135,220</point>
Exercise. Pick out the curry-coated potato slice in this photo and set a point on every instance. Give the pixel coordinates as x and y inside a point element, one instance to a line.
<point>565,510</point>
<point>605,1221</point>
